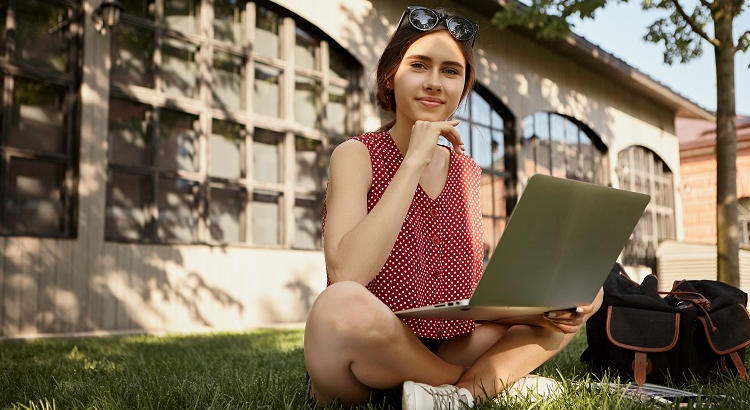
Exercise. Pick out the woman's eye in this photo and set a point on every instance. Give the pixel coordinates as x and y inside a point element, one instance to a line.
<point>418,65</point>
<point>451,71</point>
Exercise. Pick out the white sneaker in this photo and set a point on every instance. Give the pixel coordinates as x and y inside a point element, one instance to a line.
<point>420,396</point>
<point>533,388</point>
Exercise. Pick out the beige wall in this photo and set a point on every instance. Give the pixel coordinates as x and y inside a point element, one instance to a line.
<point>526,75</point>
<point>87,284</point>
<point>680,260</point>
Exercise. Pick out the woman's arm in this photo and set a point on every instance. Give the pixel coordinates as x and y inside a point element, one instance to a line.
<point>356,244</point>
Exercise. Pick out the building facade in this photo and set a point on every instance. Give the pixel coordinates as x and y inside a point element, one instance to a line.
<point>698,169</point>
<point>168,174</point>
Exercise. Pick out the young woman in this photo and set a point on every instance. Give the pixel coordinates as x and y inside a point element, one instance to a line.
<point>402,229</point>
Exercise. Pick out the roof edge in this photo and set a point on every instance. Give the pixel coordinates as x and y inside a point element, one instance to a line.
<point>578,46</point>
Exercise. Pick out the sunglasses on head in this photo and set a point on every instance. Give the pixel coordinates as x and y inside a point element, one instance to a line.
<point>423,19</point>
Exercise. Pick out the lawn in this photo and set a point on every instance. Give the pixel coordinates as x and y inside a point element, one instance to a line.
<point>254,370</point>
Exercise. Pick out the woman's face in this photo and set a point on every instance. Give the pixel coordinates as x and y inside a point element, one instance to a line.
<point>429,81</point>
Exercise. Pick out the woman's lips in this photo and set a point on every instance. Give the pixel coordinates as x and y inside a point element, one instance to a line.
<point>429,102</point>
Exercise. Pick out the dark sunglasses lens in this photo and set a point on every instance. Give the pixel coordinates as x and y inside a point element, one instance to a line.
<point>461,28</point>
<point>423,19</point>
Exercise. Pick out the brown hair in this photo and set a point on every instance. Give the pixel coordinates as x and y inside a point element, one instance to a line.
<point>394,52</point>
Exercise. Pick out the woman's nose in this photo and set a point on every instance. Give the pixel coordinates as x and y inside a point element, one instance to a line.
<point>432,82</point>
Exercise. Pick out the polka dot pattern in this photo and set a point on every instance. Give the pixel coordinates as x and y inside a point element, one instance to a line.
<point>437,256</point>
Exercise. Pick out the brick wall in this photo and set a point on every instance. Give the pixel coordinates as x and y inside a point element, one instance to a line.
<point>698,189</point>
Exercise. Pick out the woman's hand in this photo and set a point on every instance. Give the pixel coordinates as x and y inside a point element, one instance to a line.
<point>571,321</point>
<point>424,138</point>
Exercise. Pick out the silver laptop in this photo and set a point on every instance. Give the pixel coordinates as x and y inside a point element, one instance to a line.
<point>560,242</point>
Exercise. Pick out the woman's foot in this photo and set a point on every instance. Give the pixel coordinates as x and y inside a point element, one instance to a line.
<point>534,388</point>
<point>420,396</point>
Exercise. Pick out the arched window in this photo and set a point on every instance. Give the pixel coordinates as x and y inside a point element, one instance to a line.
<point>485,123</point>
<point>229,154</point>
<point>561,146</point>
<point>743,218</point>
<point>642,170</point>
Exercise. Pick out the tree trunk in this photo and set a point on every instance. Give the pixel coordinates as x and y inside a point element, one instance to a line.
<point>727,229</point>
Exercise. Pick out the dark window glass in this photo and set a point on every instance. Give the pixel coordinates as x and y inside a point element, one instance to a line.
<point>267,24</point>
<point>480,109</point>
<point>132,55</point>
<point>339,65</point>
<point>309,163</point>
<point>178,141</point>
<point>179,69</point>
<point>336,109</point>
<point>266,90</point>
<point>227,214</point>
<point>556,145</point>
<point>140,8</point>
<point>267,149</point>
<point>35,200</point>
<point>182,15</point>
<point>307,107</point>
<point>38,121</point>
<point>128,199</point>
<point>305,49</point>
<point>266,218</point>
<point>178,210</point>
<point>42,33</point>
<point>228,18</point>
<point>227,83</point>
<point>227,150</point>
<point>130,133</point>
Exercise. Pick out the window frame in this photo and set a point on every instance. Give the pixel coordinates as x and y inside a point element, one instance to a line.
<point>600,170</point>
<point>508,175</point>
<point>628,173</point>
<point>203,106</point>
<point>13,68</point>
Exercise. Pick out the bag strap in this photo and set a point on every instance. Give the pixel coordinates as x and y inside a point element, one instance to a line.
<point>738,365</point>
<point>640,368</point>
<point>700,301</point>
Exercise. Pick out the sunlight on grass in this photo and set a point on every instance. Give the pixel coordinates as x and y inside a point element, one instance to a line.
<point>262,369</point>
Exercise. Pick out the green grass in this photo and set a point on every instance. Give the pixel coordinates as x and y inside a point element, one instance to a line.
<point>255,370</point>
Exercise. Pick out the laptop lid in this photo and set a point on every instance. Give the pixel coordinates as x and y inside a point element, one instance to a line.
<point>559,244</point>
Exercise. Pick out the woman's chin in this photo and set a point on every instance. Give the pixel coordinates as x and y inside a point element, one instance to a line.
<point>430,116</point>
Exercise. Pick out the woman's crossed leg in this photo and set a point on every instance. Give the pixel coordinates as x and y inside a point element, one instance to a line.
<point>354,344</point>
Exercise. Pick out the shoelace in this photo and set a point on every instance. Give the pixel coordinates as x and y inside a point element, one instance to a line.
<point>441,399</point>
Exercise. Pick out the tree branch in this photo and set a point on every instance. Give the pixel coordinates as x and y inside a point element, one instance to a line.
<point>742,42</point>
<point>696,28</point>
<point>707,5</point>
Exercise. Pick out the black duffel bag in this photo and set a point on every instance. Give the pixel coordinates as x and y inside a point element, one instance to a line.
<point>640,335</point>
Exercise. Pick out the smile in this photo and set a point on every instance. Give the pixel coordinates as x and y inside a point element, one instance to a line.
<point>430,102</point>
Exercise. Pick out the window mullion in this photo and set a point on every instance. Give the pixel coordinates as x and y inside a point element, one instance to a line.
<point>652,191</point>
<point>205,55</point>
<point>287,54</point>
<point>324,62</point>
<point>154,204</point>
<point>248,41</point>
<point>287,212</point>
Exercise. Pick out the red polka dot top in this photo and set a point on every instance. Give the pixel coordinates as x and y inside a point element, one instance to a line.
<point>437,256</point>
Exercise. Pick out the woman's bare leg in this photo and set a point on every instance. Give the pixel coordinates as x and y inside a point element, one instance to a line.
<point>354,344</point>
<point>522,349</point>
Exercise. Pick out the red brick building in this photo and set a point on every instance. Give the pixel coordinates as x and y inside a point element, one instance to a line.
<point>698,179</point>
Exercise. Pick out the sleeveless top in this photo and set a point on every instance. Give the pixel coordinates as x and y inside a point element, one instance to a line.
<point>438,254</point>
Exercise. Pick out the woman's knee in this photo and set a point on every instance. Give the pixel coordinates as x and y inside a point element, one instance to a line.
<point>348,309</point>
